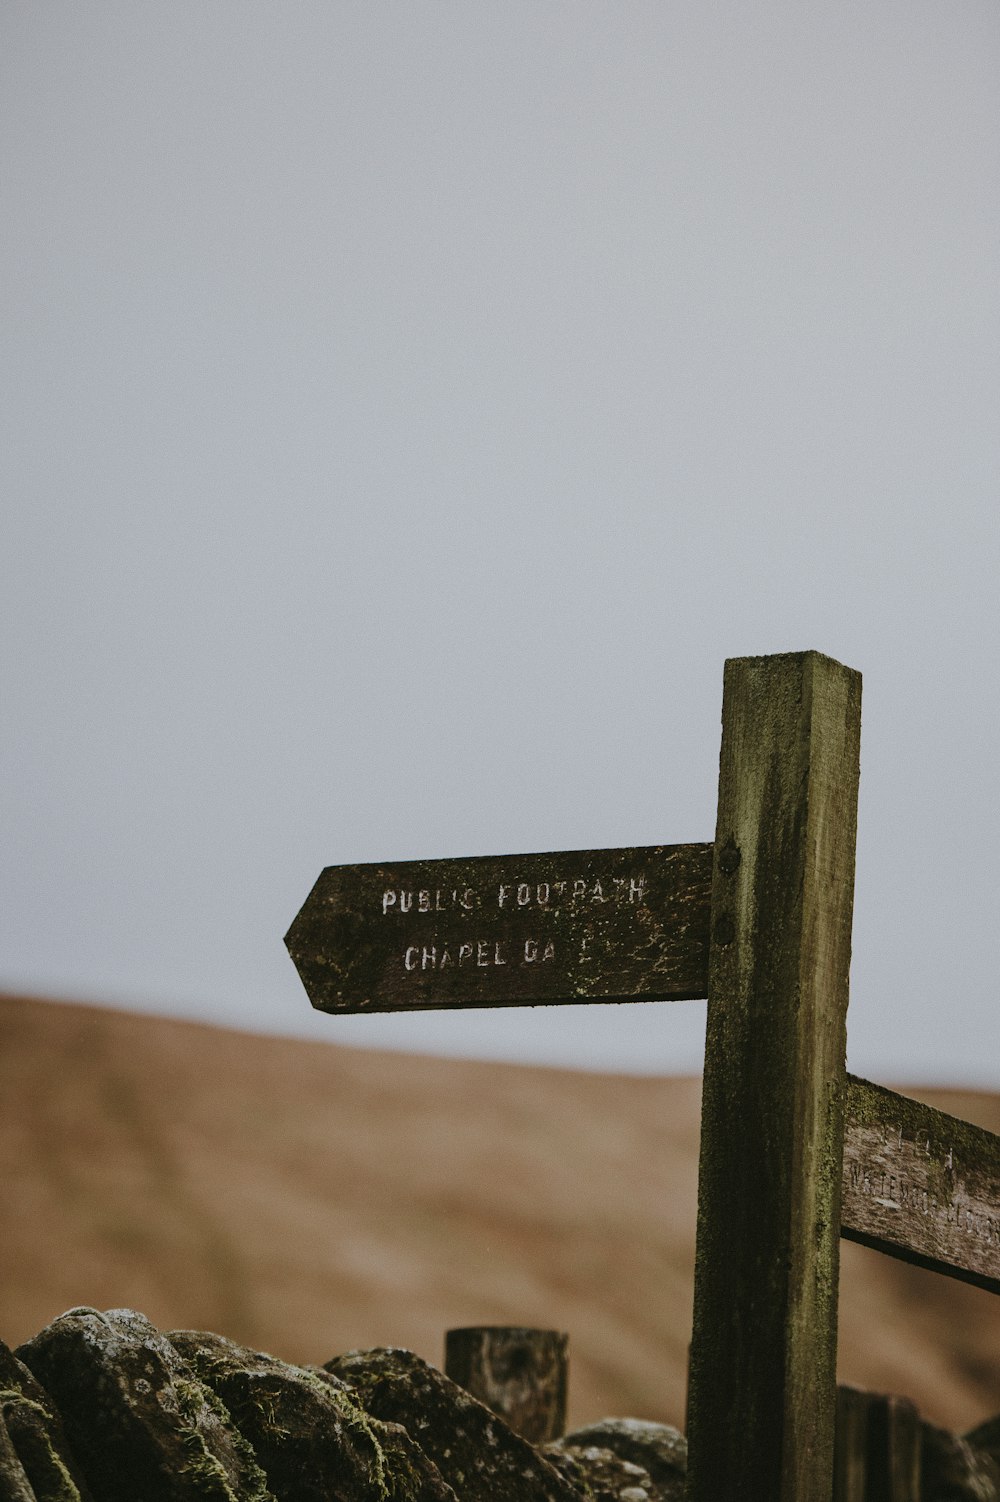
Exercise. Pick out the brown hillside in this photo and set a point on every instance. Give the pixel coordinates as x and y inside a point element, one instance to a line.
<point>306,1199</point>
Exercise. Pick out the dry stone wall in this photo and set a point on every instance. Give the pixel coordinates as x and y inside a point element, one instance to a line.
<point>103,1407</point>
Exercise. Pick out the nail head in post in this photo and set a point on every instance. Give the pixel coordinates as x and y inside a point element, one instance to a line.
<point>729,857</point>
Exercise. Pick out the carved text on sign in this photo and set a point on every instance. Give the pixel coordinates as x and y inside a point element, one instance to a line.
<point>482,953</point>
<point>552,895</point>
<point>921,1184</point>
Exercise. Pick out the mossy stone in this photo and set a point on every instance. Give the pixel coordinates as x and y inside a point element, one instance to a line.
<point>141,1424</point>
<point>36,1435</point>
<point>954,1469</point>
<point>474,1450</point>
<point>314,1439</point>
<point>660,1449</point>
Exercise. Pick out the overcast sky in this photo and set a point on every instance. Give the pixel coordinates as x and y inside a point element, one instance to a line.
<point>408,408</point>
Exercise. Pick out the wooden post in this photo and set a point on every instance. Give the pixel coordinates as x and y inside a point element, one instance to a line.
<point>521,1374</point>
<point>850,1460</point>
<point>763,1358</point>
<point>894,1454</point>
<point>878,1444</point>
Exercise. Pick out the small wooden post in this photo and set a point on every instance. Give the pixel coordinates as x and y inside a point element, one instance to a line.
<point>521,1374</point>
<point>895,1451</point>
<point>850,1462</point>
<point>763,1356</point>
<point>877,1448</point>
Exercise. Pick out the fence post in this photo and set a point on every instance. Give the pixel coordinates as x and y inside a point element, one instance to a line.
<point>763,1356</point>
<point>850,1461</point>
<point>878,1448</point>
<point>521,1374</point>
<point>895,1462</point>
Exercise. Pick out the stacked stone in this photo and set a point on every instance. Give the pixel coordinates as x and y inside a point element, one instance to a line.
<point>106,1408</point>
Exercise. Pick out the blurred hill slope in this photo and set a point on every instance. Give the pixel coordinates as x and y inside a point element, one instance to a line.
<point>308,1199</point>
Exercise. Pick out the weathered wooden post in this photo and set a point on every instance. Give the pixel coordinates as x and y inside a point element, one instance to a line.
<point>520,1373</point>
<point>850,1457</point>
<point>763,1357</point>
<point>877,1453</point>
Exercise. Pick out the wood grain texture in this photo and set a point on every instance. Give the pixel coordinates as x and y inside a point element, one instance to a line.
<point>877,1448</point>
<point>921,1185</point>
<point>522,1374</point>
<point>850,1461</point>
<point>512,930</point>
<point>763,1358</point>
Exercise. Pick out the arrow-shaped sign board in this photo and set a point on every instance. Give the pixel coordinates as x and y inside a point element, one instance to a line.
<point>512,930</point>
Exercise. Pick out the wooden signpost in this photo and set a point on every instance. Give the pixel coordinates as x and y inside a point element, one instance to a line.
<point>794,1152</point>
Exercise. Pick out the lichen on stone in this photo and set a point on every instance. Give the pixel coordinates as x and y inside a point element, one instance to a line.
<point>139,1421</point>
<point>312,1435</point>
<point>36,1435</point>
<point>476,1453</point>
<point>45,1467</point>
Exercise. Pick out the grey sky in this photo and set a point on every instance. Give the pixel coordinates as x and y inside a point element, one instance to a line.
<point>409,407</point>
